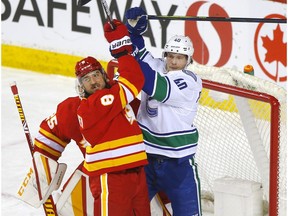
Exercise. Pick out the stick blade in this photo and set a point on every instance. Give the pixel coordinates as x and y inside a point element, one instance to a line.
<point>83,2</point>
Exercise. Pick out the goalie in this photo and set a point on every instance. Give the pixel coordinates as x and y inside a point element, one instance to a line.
<point>111,180</point>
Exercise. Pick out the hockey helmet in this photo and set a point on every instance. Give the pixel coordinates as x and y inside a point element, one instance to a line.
<point>180,44</point>
<point>86,66</point>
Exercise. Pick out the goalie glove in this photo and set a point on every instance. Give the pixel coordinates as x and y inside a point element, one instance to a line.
<point>43,178</point>
<point>119,39</point>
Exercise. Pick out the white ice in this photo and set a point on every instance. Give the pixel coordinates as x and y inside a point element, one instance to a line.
<point>39,94</point>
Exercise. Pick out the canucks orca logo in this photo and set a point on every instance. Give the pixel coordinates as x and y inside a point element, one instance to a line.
<point>152,107</point>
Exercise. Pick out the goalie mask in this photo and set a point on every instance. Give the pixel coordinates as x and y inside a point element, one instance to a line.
<point>84,67</point>
<point>180,44</point>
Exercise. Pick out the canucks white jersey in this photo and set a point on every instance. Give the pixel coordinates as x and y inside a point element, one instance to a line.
<point>167,112</point>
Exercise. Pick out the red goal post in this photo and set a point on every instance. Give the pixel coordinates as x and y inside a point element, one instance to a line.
<point>257,151</point>
<point>242,133</point>
<point>274,130</point>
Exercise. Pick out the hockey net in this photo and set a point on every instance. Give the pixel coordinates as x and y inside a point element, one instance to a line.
<point>242,134</point>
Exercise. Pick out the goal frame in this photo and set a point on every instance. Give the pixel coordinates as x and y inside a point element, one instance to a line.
<point>274,132</point>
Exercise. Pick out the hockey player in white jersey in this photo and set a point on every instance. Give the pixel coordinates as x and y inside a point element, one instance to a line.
<point>169,102</point>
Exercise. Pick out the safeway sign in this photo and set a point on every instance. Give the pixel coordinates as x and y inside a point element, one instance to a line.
<point>64,27</point>
<point>228,44</point>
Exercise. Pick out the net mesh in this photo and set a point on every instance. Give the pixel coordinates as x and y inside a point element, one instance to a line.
<point>225,136</point>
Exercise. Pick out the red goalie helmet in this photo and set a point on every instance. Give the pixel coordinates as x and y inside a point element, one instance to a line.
<point>86,66</point>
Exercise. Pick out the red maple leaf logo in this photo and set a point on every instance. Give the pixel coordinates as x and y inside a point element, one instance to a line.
<point>276,49</point>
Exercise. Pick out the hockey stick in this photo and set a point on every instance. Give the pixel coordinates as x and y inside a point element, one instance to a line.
<point>218,19</point>
<point>106,9</point>
<point>49,205</point>
<point>194,18</point>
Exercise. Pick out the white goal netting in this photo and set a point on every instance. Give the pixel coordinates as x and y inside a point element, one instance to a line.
<point>235,134</point>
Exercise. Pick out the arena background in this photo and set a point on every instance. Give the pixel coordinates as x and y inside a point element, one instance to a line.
<point>50,36</point>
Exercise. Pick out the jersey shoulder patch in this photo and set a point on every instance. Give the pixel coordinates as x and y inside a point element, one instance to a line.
<point>190,73</point>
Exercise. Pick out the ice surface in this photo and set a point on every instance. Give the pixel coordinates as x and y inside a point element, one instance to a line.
<point>39,94</point>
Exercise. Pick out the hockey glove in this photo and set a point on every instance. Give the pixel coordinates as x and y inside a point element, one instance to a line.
<point>138,41</point>
<point>137,22</point>
<point>119,39</point>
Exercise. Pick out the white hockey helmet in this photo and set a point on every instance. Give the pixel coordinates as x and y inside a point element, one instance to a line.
<point>180,44</point>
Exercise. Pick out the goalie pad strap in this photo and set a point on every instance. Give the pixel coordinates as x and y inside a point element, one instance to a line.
<point>76,198</point>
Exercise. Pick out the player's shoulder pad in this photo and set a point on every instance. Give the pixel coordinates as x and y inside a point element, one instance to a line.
<point>191,74</point>
<point>70,104</point>
<point>70,101</point>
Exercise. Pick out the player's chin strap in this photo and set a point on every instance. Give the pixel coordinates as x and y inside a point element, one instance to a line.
<point>42,180</point>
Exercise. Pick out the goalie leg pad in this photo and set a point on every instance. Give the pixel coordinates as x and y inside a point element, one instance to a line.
<point>42,179</point>
<point>76,198</point>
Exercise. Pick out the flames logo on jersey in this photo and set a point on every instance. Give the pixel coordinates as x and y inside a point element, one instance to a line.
<point>129,114</point>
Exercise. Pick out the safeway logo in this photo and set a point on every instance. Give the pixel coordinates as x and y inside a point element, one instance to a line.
<point>224,33</point>
<point>270,43</point>
<point>271,49</point>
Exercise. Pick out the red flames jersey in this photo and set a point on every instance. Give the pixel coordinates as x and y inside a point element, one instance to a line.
<point>108,123</point>
<point>59,129</point>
